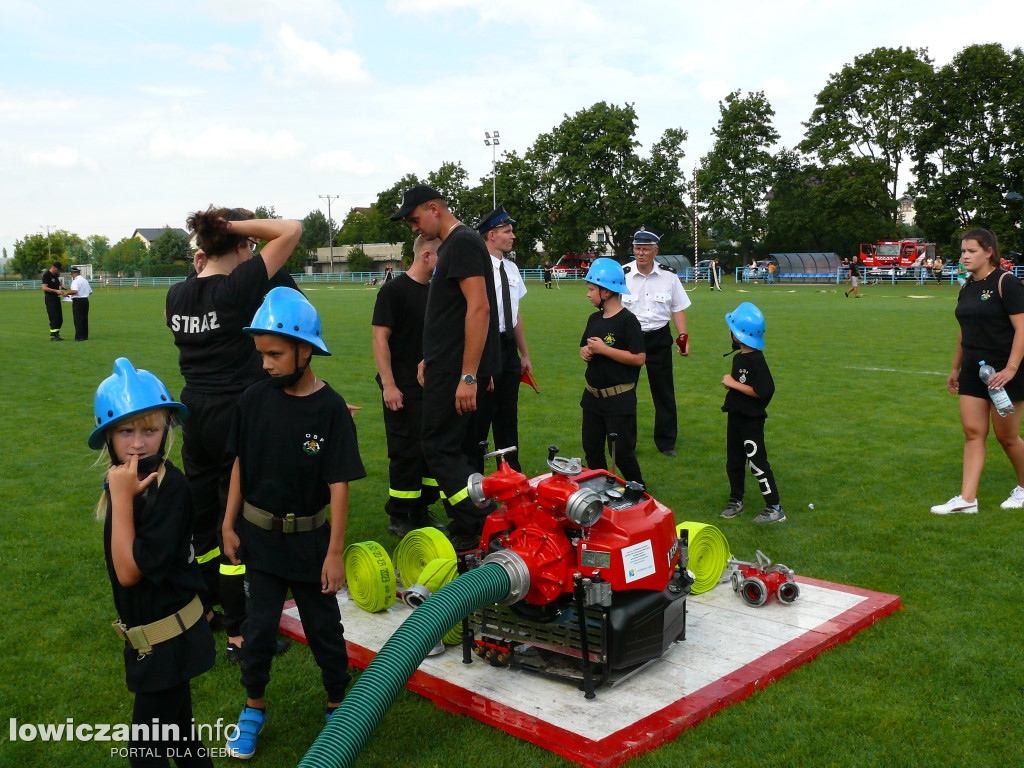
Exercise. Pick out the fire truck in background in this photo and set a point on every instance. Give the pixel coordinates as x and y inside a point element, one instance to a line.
<point>900,254</point>
<point>573,264</point>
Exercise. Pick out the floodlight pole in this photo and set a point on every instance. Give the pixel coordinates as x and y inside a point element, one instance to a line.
<point>695,252</point>
<point>47,228</point>
<point>330,235</point>
<point>492,140</point>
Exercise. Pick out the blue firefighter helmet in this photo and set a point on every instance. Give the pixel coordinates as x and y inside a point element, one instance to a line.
<point>129,392</point>
<point>607,273</point>
<point>747,324</point>
<point>287,312</point>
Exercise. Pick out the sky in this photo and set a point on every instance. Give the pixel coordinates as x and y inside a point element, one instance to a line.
<point>117,115</point>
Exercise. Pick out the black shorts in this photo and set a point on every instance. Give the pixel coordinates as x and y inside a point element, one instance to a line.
<point>972,385</point>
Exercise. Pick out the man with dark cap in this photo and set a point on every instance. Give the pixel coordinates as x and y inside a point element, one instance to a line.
<point>460,348</point>
<point>496,230</point>
<point>397,350</point>
<point>658,300</point>
<point>52,294</point>
<point>79,292</point>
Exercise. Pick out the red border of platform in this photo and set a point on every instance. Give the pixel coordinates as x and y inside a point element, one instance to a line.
<point>662,726</point>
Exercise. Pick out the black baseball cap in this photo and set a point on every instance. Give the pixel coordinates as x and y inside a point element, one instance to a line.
<point>414,196</point>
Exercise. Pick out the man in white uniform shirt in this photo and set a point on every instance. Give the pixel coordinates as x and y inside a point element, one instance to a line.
<point>79,293</point>
<point>658,300</point>
<point>496,230</point>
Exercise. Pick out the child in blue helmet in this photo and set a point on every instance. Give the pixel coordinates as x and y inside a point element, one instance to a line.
<point>749,389</point>
<point>613,347</point>
<point>295,450</point>
<point>147,540</point>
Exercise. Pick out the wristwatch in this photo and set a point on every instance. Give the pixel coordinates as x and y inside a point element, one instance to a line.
<point>469,378</point>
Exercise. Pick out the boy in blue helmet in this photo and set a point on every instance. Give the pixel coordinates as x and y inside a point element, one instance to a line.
<point>147,535</point>
<point>749,389</point>
<point>295,451</point>
<point>613,347</point>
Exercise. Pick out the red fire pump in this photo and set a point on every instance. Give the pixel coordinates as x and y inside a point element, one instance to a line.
<point>599,579</point>
<point>758,582</point>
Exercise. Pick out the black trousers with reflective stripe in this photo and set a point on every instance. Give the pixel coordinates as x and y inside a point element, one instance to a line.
<point>444,436</point>
<point>54,312</point>
<point>208,470</point>
<point>744,446</point>
<point>660,346</point>
<point>407,466</point>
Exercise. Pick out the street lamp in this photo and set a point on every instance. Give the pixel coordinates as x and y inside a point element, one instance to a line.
<point>492,140</point>
<point>330,235</point>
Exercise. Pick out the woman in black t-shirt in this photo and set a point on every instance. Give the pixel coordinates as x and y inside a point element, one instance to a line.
<point>206,314</point>
<point>990,310</point>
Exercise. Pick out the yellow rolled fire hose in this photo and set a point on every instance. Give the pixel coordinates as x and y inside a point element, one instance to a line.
<point>416,549</point>
<point>435,575</point>
<point>708,552</point>
<point>370,575</point>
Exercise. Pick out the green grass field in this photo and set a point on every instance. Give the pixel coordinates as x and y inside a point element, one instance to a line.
<point>861,426</point>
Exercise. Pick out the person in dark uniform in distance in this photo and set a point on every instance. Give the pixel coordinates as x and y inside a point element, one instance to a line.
<point>80,291</point>
<point>460,349</point>
<point>613,348</point>
<point>52,294</point>
<point>496,230</point>
<point>206,314</point>
<point>547,275</point>
<point>657,299</point>
<point>397,350</point>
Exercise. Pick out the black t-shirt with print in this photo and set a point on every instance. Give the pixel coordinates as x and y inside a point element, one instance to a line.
<point>401,306</point>
<point>750,368</point>
<point>620,331</point>
<point>461,255</point>
<point>207,315</point>
<point>163,551</point>
<point>984,317</point>
<point>290,450</point>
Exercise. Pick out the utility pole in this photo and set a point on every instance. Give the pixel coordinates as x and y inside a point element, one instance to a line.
<point>492,140</point>
<point>330,234</point>
<point>47,228</point>
<point>695,254</point>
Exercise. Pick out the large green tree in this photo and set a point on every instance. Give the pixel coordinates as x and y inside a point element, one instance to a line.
<point>828,209</point>
<point>592,177</point>
<point>171,246</point>
<point>37,252</point>
<point>736,176</point>
<point>126,257</point>
<point>969,156</point>
<point>98,247</point>
<point>869,109</point>
<point>316,233</point>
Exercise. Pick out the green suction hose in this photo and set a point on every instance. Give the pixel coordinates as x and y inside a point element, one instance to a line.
<point>373,694</point>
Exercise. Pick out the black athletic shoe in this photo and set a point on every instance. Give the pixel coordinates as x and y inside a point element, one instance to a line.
<point>400,526</point>
<point>234,654</point>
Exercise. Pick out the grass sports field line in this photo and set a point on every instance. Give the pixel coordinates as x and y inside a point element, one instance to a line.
<point>940,684</point>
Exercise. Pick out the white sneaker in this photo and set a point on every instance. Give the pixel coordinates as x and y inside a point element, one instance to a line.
<point>954,505</point>
<point>1016,500</point>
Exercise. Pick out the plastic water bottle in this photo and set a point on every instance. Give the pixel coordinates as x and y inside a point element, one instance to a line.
<point>1001,400</point>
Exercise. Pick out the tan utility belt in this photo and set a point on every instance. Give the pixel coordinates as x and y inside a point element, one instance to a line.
<point>618,389</point>
<point>144,637</point>
<point>287,524</point>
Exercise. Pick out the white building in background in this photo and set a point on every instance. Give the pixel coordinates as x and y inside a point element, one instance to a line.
<point>906,204</point>
<point>383,255</point>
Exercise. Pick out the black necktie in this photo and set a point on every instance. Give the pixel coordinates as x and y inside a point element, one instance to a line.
<point>506,299</point>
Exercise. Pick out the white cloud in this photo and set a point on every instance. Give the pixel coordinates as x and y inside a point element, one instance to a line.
<point>60,157</point>
<point>542,16</point>
<point>340,161</point>
<point>714,90</point>
<point>308,58</point>
<point>221,143</point>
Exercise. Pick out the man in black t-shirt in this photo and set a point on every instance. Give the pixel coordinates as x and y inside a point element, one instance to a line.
<point>52,294</point>
<point>397,350</point>
<point>854,277</point>
<point>460,347</point>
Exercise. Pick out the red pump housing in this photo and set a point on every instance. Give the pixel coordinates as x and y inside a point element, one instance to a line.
<point>589,522</point>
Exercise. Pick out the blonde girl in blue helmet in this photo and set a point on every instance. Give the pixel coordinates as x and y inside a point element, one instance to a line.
<point>147,540</point>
